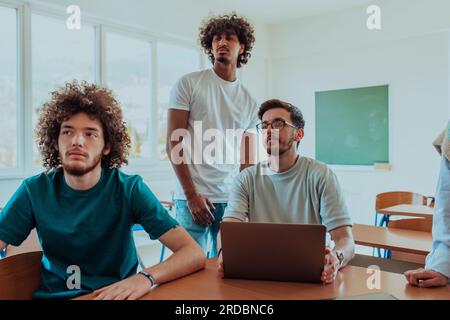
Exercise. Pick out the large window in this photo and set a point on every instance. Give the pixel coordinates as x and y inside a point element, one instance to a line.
<point>8,89</point>
<point>39,54</point>
<point>173,62</point>
<point>59,55</point>
<point>129,74</point>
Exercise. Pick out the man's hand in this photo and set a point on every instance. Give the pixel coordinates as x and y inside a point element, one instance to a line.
<point>220,265</point>
<point>331,267</point>
<point>200,206</point>
<point>425,278</point>
<point>129,289</point>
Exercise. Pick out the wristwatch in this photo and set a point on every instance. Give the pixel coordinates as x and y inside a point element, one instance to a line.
<point>149,277</point>
<point>340,256</point>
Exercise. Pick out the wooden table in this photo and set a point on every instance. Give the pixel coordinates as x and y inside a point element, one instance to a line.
<point>351,281</point>
<point>408,210</point>
<point>408,241</point>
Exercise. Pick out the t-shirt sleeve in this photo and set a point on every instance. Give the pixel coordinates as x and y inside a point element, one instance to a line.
<point>180,95</point>
<point>253,118</point>
<point>439,257</point>
<point>17,218</point>
<point>149,212</point>
<point>333,209</point>
<point>238,201</point>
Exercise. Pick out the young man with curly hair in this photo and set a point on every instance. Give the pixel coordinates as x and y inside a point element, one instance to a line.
<point>214,99</point>
<point>83,207</point>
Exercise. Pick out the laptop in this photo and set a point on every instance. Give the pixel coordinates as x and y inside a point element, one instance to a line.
<point>272,251</point>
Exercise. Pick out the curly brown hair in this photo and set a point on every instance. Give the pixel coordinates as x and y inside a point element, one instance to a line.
<point>217,25</point>
<point>95,101</point>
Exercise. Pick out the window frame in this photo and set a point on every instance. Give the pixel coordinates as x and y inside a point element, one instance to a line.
<point>152,165</point>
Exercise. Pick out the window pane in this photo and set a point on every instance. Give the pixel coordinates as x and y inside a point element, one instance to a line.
<point>59,55</point>
<point>8,88</point>
<point>128,74</point>
<point>173,62</point>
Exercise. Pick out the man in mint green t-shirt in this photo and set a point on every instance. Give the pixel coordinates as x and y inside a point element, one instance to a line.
<point>289,188</point>
<point>83,207</point>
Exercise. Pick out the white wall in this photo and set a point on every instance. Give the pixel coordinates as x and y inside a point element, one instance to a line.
<point>410,53</point>
<point>172,18</point>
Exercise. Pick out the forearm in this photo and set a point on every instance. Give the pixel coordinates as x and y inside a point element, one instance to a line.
<point>182,172</point>
<point>183,262</point>
<point>185,178</point>
<point>347,246</point>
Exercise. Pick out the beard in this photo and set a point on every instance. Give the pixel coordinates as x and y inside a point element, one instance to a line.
<point>278,149</point>
<point>223,60</point>
<point>78,170</point>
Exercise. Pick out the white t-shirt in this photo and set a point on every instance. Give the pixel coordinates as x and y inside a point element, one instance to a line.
<point>217,104</point>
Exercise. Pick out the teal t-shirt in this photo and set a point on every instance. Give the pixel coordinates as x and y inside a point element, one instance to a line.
<point>90,229</point>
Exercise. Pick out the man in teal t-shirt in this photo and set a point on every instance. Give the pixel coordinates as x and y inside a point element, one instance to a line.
<point>84,207</point>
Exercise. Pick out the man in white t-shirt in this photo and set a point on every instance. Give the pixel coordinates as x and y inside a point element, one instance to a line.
<point>210,113</point>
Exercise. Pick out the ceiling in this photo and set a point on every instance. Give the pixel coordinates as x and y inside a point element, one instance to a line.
<point>274,11</point>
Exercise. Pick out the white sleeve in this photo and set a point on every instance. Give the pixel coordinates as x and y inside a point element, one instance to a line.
<point>253,118</point>
<point>238,202</point>
<point>180,95</point>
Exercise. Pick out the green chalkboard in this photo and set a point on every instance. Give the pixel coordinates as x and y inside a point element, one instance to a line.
<point>352,126</point>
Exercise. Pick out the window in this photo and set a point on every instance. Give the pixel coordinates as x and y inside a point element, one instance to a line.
<point>8,89</point>
<point>174,61</point>
<point>126,62</point>
<point>59,55</point>
<point>129,74</point>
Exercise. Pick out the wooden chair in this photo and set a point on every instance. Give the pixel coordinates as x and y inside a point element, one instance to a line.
<point>393,198</point>
<point>417,224</point>
<point>20,276</point>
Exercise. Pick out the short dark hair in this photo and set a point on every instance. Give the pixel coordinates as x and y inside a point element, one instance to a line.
<point>296,114</point>
<point>218,25</point>
<point>95,101</point>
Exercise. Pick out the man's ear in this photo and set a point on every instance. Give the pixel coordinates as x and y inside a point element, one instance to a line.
<point>106,149</point>
<point>299,135</point>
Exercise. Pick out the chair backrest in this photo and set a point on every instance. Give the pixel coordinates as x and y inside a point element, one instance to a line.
<point>20,276</point>
<point>417,224</point>
<point>393,198</point>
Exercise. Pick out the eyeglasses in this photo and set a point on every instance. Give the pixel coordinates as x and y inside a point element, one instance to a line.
<point>276,124</point>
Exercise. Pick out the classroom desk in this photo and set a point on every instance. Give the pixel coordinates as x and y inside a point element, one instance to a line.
<point>408,241</point>
<point>351,281</point>
<point>408,210</point>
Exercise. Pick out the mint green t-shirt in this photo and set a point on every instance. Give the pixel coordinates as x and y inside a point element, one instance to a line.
<point>90,229</point>
<point>307,193</point>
